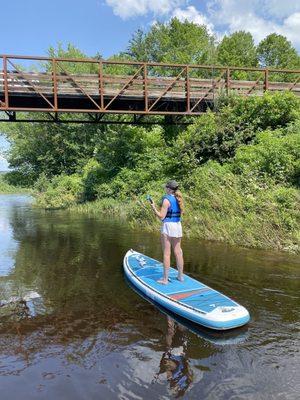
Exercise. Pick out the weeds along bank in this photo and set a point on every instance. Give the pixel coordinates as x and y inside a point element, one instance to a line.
<point>239,170</point>
<point>7,188</point>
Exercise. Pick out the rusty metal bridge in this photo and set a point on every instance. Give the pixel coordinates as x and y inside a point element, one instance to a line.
<point>96,88</point>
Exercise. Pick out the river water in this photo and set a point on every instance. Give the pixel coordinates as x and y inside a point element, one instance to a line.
<point>83,333</point>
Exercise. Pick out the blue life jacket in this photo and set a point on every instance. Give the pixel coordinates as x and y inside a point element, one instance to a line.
<point>173,213</point>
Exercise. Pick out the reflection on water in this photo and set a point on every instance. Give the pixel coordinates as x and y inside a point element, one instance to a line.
<point>174,362</point>
<point>87,335</point>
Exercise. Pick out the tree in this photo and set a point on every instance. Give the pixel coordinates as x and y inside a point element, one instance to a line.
<point>73,52</point>
<point>173,42</point>
<point>277,52</point>
<point>237,50</point>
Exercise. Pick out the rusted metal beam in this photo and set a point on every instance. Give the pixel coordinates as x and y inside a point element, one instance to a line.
<point>146,86</point>
<point>167,90</point>
<point>79,86</point>
<point>105,122</point>
<point>227,81</point>
<point>6,98</point>
<point>294,83</point>
<point>266,83</point>
<point>93,60</point>
<point>177,95</point>
<point>54,77</point>
<point>86,111</point>
<point>254,85</point>
<point>132,78</point>
<point>101,85</point>
<point>30,83</point>
<point>207,92</point>
<point>187,86</point>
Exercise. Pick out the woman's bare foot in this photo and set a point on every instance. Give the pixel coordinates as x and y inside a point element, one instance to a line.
<point>180,278</point>
<point>163,281</point>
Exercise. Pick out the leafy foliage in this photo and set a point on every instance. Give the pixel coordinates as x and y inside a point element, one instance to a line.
<point>237,49</point>
<point>277,52</point>
<point>175,42</point>
<point>61,192</point>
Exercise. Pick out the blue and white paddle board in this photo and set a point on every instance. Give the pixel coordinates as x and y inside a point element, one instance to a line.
<point>189,299</point>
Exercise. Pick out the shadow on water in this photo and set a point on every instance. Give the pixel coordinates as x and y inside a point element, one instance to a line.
<point>87,335</point>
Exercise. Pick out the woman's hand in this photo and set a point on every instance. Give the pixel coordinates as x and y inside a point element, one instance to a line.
<point>163,211</point>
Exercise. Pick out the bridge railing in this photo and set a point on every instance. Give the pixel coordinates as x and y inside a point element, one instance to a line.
<point>99,86</point>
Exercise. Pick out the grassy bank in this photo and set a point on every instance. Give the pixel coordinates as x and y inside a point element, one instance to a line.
<point>238,168</point>
<point>6,188</point>
<point>225,209</point>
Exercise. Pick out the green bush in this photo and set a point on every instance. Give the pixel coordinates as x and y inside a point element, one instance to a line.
<point>92,175</point>
<point>274,156</point>
<point>61,192</point>
<point>218,136</point>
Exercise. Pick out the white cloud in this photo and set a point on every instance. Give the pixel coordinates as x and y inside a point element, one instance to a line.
<point>259,17</point>
<point>193,15</point>
<point>132,8</point>
<point>281,8</point>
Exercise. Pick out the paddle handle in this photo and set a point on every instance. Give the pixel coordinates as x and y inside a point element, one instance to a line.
<point>149,198</point>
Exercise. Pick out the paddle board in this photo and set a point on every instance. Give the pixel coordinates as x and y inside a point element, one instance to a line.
<point>189,299</point>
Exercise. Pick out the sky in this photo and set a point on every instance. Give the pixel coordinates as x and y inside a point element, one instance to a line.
<point>105,26</point>
<point>3,148</point>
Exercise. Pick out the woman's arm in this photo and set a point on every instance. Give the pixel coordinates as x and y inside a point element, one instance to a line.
<point>163,211</point>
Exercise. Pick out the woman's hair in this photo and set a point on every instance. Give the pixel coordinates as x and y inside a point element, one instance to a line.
<point>179,198</point>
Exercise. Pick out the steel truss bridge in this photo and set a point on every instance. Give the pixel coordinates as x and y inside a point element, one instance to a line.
<point>41,89</point>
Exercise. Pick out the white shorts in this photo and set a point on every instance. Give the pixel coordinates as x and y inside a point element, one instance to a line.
<point>172,229</point>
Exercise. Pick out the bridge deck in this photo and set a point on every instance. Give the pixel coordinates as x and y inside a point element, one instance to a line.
<point>141,88</point>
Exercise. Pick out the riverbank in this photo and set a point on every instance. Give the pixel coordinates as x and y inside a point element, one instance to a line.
<point>6,188</point>
<point>230,218</point>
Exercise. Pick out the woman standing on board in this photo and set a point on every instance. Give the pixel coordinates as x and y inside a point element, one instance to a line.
<point>171,230</point>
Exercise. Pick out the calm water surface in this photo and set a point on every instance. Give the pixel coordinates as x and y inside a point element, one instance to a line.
<point>84,334</point>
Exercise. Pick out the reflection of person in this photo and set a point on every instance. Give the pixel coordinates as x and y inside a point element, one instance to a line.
<point>171,231</point>
<point>174,361</point>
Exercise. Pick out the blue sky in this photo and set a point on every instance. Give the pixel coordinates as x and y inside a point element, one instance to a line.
<point>3,148</point>
<point>105,26</point>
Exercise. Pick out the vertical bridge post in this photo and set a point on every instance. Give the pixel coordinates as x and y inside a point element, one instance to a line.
<point>266,83</point>
<point>54,78</point>
<point>101,86</point>
<point>146,87</point>
<point>6,99</point>
<point>227,81</point>
<point>187,86</point>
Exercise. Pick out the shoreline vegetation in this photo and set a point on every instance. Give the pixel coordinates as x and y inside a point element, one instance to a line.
<point>7,188</point>
<point>239,171</point>
<point>238,166</point>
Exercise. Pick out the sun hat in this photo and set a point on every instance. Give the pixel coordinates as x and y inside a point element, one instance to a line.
<point>173,185</point>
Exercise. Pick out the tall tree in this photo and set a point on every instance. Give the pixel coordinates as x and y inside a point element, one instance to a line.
<point>237,50</point>
<point>173,42</point>
<point>276,51</point>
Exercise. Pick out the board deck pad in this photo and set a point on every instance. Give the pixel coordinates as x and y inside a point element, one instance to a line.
<point>190,292</point>
<point>190,299</point>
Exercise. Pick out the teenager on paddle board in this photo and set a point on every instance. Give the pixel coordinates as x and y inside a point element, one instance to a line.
<point>171,231</point>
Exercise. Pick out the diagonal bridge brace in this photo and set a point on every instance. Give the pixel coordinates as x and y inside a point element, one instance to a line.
<point>170,87</point>
<point>79,86</point>
<point>208,91</point>
<point>254,85</point>
<point>294,84</point>
<point>128,83</point>
<point>30,83</point>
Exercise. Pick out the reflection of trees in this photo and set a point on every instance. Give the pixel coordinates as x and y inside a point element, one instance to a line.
<point>72,262</point>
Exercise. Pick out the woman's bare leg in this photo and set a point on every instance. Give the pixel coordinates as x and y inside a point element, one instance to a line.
<point>176,244</point>
<point>166,247</point>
